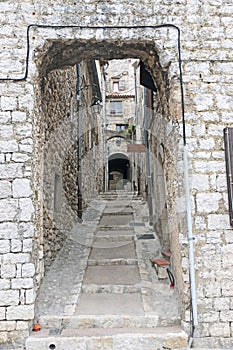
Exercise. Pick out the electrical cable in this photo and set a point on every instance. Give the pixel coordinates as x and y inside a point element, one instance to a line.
<point>168,25</point>
<point>171,278</point>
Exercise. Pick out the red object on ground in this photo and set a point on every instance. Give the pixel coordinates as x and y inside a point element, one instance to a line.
<point>36,327</point>
<point>160,262</point>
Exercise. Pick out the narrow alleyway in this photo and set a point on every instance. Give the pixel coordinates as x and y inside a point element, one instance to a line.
<point>101,291</point>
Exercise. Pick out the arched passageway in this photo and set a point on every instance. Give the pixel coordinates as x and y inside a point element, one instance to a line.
<point>119,171</point>
<point>57,83</point>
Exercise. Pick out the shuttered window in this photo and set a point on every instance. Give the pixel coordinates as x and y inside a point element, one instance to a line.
<point>228,141</point>
<point>122,85</point>
<point>116,107</point>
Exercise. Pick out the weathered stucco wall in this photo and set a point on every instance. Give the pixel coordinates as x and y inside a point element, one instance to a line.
<point>206,46</point>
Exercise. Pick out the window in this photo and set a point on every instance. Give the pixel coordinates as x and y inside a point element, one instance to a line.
<point>116,107</point>
<point>121,127</point>
<point>116,86</point>
<point>122,85</point>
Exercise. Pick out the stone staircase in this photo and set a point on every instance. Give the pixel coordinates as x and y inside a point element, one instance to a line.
<point>121,303</point>
<point>133,338</point>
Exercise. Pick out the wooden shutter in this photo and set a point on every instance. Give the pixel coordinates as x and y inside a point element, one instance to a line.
<point>228,141</point>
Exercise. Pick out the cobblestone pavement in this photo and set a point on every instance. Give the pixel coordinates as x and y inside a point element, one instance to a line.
<point>63,284</point>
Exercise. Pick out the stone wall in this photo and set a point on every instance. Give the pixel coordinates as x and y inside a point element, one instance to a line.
<point>58,128</point>
<point>16,207</point>
<point>210,91</point>
<point>91,147</point>
<point>206,47</point>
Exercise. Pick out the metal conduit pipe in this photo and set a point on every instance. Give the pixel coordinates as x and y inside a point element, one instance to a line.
<point>148,162</point>
<point>188,208</point>
<point>79,180</point>
<point>190,242</point>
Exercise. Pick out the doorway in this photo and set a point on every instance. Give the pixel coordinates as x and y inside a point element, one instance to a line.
<point>119,172</point>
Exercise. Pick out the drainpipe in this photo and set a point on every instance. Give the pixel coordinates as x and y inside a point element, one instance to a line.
<point>188,208</point>
<point>148,162</point>
<point>190,241</point>
<point>104,123</point>
<point>135,66</point>
<point>138,137</point>
<point>79,179</point>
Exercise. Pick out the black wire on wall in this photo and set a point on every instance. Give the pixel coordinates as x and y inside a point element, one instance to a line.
<point>24,78</point>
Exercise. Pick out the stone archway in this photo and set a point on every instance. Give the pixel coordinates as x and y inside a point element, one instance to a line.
<point>59,57</point>
<point>119,171</point>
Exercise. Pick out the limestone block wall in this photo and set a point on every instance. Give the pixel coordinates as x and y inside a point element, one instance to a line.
<point>16,211</point>
<point>206,48</point>
<point>210,91</point>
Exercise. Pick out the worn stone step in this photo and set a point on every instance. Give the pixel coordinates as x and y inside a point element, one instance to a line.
<point>112,211</point>
<point>109,288</point>
<point>114,245</point>
<point>115,275</point>
<point>116,199</point>
<point>119,194</point>
<point>108,321</point>
<point>119,204</point>
<point>113,236</point>
<point>109,338</point>
<point>121,304</point>
<point>116,220</point>
<point>113,250</point>
<point>108,262</point>
<point>106,241</point>
<point>115,231</point>
<point>97,321</point>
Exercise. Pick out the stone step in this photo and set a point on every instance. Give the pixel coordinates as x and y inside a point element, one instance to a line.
<point>97,321</point>
<point>114,235</point>
<point>109,288</point>
<point>117,211</point>
<point>114,320</point>
<point>117,229</point>
<point>113,229</point>
<point>109,339</point>
<point>120,304</point>
<point>110,198</point>
<point>103,262</point>
<point>113,250</point>
<point>120,193</point>
<point>104,241</point>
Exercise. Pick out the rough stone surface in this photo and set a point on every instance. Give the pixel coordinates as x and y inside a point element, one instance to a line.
<point>206,50</point>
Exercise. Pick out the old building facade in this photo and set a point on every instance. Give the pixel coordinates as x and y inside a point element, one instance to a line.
<point>42,43</point>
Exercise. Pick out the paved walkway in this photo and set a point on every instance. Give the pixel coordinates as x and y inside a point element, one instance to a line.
<point>104,268</point>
